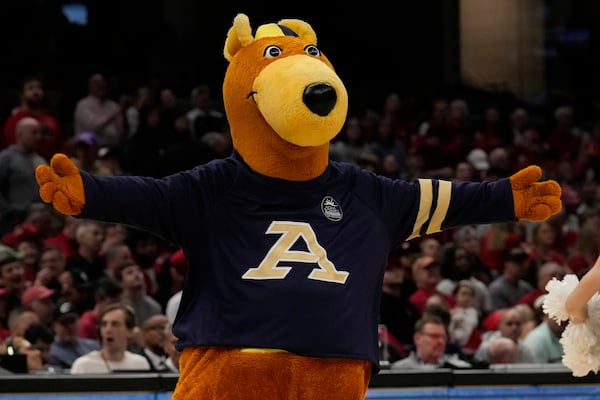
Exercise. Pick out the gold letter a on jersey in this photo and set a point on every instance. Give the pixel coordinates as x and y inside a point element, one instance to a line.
<point>281,251</point>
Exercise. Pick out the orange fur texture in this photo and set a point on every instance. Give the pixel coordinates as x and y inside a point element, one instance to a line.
<point>534,201</point>
<point>211,373</point>
<point>61,184</point>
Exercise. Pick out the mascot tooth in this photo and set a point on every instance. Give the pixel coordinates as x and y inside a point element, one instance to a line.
<point>286,247</point>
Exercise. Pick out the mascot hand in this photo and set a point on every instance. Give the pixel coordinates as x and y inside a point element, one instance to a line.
<point>61,184</point>
<point>534,201</point>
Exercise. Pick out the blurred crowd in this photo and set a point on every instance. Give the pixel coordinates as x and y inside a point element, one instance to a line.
<point>82,296</point>
<point>451,299</point>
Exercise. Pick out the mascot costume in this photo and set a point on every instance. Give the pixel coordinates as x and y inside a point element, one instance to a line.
<point>286,248</point>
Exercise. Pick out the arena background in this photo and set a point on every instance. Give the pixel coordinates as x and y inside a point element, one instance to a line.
<point>414,48</point>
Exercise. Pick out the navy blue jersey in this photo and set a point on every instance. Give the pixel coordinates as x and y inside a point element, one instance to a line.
<point>288,265</point>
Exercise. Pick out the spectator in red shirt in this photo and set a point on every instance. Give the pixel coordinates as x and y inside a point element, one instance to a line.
<point>65,239</point>
<point>33,104</point>
<point>496,243</point>
<point>426,273</point>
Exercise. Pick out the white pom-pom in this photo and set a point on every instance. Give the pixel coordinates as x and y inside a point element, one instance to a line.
<point>581,349</point>
<point>581,342</point>
<point>558,291</point>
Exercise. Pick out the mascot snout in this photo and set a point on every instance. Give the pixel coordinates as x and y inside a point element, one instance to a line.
<point>302,99</point>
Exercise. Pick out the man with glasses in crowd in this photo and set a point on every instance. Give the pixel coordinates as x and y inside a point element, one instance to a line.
<point>430,340</point>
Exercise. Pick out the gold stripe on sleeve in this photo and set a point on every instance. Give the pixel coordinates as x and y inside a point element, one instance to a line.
<point>443,202</point>
<point>424,206</point>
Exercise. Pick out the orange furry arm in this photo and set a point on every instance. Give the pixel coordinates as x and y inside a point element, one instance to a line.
<point>61,184</point>
<point>534,201</point>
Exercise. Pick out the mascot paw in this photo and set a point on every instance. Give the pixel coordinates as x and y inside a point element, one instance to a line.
<point>534,201</point>
<point>61,184</point>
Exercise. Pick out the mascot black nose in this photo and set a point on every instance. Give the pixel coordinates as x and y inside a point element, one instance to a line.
<point>320,98</point>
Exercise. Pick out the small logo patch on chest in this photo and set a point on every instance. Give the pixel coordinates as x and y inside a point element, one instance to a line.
<point>331,209</point>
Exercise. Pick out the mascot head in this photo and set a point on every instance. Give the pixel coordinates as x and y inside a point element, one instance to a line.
<point>283,99</point>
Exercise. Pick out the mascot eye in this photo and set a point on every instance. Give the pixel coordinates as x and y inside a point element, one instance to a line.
<point>272,51</point>
<point>312,50</point>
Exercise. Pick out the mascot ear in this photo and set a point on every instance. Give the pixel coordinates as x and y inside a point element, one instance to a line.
<point>303,29</point>
<point>239,35</point>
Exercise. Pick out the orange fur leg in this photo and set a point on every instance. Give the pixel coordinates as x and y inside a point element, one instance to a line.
<point>225,373</point>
